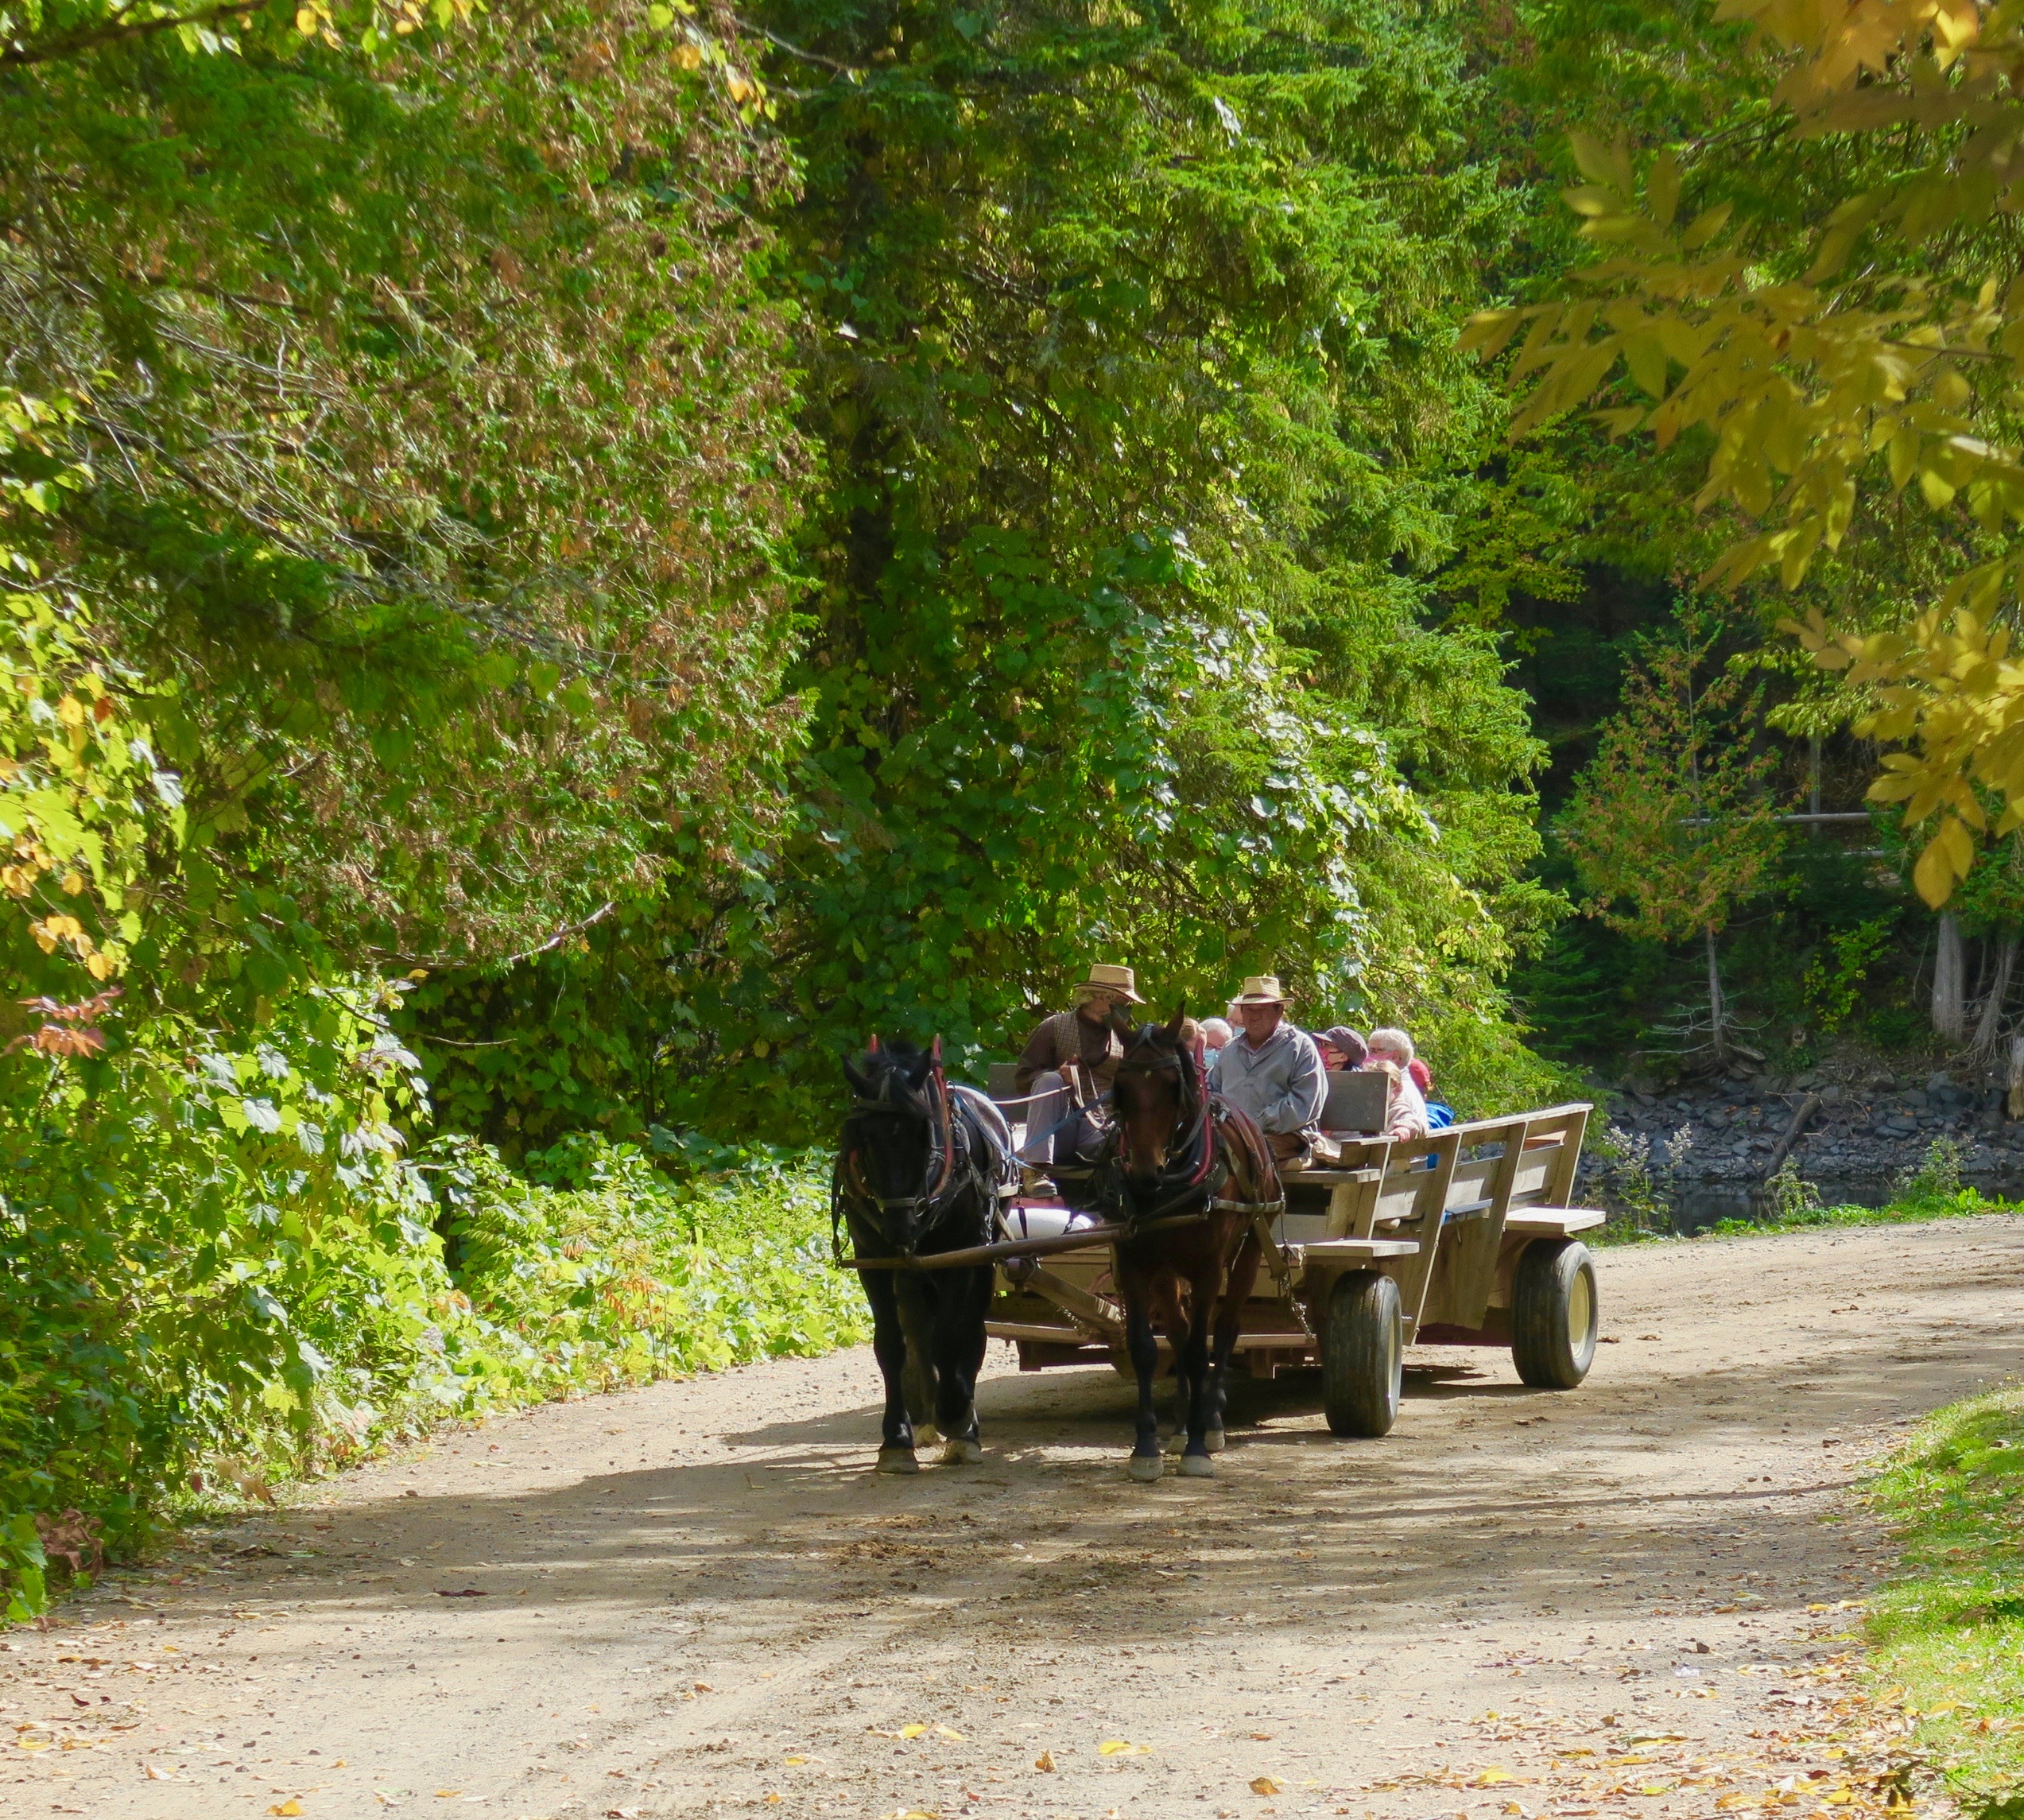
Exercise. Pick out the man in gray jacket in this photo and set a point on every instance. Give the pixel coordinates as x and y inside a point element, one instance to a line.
<point>1273,1072</point>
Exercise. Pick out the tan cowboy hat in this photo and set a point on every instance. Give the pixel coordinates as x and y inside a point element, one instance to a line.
<point>1118,980</point>
<point>1260,989</point>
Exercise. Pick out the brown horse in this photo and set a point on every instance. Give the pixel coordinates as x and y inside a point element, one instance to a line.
<point>1177,1151</point>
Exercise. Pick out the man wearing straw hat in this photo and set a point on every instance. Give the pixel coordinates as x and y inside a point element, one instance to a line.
<point>1273,1072</point>
<point>1081,1040</point>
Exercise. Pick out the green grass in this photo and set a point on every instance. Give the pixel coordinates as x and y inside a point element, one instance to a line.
<point>1907,1210</point>
<point>1960,1204</point>
<point>1949,1627</point>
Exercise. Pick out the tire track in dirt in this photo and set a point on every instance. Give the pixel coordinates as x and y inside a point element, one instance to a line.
<point>697,1599</point>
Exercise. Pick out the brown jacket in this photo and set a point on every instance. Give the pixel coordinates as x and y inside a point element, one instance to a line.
<point>1068,1036</point>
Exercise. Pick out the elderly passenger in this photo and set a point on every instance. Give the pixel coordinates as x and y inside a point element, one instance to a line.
<point>1273,1073</point>
<point>1405,1111</point>
<point>1397,1047</point>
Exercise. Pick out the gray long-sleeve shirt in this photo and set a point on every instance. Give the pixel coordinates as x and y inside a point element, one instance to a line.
<point>1280,1083</point>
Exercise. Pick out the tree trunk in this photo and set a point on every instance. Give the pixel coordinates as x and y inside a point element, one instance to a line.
<point>1988,1025</point>
<point>2015,1105</point>
<point>1949,997</point>
<point>1717,1020</point>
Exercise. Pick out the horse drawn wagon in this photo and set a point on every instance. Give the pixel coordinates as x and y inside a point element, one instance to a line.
<point>1465,1238</point>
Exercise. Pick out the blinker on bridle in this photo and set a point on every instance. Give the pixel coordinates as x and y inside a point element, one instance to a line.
<point>940,1117</point>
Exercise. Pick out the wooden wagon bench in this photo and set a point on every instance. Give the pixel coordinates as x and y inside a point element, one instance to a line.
<point>1462,1239</point>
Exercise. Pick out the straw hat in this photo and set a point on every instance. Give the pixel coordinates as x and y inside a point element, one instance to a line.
<point>1107,979</point>
<point>1260,989</point>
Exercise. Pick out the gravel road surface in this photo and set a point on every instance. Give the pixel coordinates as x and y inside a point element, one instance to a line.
<point>698,1599</point>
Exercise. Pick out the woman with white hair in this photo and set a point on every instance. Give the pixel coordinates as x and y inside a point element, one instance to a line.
<point>1390,1044</point>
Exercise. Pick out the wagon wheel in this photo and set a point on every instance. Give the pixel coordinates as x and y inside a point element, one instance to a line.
<point>1553,1313</point>
<point>1361,1359</point>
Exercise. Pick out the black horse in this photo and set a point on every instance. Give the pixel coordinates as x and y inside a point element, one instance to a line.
<point>918,1174</point>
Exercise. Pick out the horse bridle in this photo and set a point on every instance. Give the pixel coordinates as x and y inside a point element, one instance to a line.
<point>940,1117</point>
<point>1202,1131</point>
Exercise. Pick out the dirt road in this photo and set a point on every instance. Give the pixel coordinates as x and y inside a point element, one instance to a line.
<point>698,1599</point>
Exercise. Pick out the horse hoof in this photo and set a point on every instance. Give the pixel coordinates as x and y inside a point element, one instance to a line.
<point>1145,1468</point>
<point>926,1434</point>
<point>963,1454</point>
<point>1214,1441</point>
<point>897,1459</point>
<point>1176,1441</point>
<point>1197,1466</point>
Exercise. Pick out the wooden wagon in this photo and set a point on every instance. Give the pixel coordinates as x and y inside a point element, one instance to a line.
<point>1465,1238</point>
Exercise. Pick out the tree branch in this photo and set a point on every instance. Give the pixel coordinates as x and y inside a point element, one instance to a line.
<point>118,30</point>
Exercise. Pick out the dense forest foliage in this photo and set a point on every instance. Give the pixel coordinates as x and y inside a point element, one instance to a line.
<point>565,560</point>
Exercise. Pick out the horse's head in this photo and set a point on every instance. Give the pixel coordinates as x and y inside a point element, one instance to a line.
<point>1157,1094</point>
<point>896,1137</point>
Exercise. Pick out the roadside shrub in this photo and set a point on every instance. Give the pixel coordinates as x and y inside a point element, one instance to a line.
<point>1938,1176</point>
<point>1788,1196</point>
<point>231,1275</point>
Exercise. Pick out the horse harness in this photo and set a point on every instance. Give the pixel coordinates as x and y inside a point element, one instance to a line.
<point>951,1165</point>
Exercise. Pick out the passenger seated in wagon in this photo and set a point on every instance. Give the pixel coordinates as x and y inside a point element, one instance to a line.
<point>1081,1040</point>
<point>1273,1072</point>
<point>1390,1044</point>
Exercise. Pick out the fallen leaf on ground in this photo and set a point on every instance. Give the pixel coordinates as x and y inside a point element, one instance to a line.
<point>1045,1760</point>
<point>447,1794</point>
<point>1492,1777</point>
<point>1119,1747</point>
<point>40,1744</point>
<point>460,1593</point>
<point>796,1759</point>
<point>1264,1785</point>
<point>286,1807</point>
<point>947,1733</point>
<point>911,1732</point>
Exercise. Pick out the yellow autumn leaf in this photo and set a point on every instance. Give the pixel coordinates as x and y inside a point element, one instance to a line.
<point>947,1733</point>
<point>1045,1760</point>
<point>290,1806</point>
<point>1492,1777</point>
<point>774,1798</point>
<point>913,1731</point>
<point>1264,1785</point>
<point>796,1759</point>
<point>32,1744</point>
<point>1119,1747</point>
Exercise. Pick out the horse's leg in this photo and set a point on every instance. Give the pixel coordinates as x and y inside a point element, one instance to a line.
<point>917,1298</point>
<point>1191,1348</point>
<point>888,1347</point>
<point>1146,1462</point>
<point>1238,1284</point>
<point>960,1342</point>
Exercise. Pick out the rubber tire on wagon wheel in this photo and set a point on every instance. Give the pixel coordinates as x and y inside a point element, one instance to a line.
<point>1363,1360</point>
<point>1553,1313</point>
